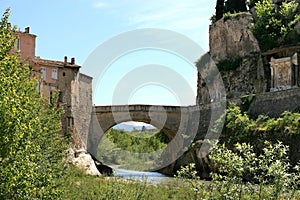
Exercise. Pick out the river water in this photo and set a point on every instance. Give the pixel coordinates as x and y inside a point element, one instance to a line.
<point>150,177</point>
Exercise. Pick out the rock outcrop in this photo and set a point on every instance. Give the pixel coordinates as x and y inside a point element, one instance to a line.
<point>234,64</point>
<point>197,154</point>
<point>231,38</point>
<point>235,52</point>
<point>82,159</point>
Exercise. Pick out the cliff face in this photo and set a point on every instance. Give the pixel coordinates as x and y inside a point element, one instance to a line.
<point>232,38</point>
<point>235,52</point>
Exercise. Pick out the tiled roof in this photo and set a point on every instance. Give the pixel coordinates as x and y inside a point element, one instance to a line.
<point>55,63</point>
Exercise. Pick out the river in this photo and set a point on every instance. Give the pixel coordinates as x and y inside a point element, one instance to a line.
<point>151,177</point>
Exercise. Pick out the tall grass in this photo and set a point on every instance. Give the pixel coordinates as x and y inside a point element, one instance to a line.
<point>79,186</point>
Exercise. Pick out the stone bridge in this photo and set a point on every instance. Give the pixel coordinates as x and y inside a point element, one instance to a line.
<point>180,124</point>
<point>165,118</point>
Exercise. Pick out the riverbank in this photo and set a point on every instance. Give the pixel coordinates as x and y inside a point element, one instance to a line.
<point>78,185</point>
<point>81,186</point>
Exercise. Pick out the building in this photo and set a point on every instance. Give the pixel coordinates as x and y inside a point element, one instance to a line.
<point>63,77</point>
<point>284,67</point>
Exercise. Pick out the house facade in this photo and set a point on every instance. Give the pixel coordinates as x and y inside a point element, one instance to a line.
<point>63,77</point>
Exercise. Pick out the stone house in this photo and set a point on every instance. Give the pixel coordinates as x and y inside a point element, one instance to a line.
<point>74,89</point>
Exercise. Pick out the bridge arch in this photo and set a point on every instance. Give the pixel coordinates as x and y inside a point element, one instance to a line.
<point>172,120</point>
<point>166,129</point>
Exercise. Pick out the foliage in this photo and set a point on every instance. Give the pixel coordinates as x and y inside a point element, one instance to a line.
<point>238,123</point>
<point>31,150</point>
<point>228,7</point>
<point>229,64</point>
<point>188,172</point>
<point>268,174</point>
<point>251,3</point>
<point>135,150</point>
<point>274,22</point>
<point>274,25</point>
<point>229,15</point>
<point>243,174</point>
<point>235,6</point>
<point>240,128</point>
<point>137,141</point>
<point>219,10</point>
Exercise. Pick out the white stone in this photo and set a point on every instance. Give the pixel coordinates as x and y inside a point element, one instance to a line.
<point>80,158</point>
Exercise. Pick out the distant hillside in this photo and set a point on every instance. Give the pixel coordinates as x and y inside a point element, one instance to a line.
<point>132,126</point>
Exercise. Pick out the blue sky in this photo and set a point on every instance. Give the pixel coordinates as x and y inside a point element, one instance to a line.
<point>76,28</point>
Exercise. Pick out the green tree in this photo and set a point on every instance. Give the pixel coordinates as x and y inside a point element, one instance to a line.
<point>219,9</point>
<point>235,6</point>
<point>274,25</point>
<point>31,150</point>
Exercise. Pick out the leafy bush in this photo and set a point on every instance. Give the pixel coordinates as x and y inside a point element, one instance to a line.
<point>31,150</point>
<point>240,128</point>
<point>243,174</point>
<point>269,174</point>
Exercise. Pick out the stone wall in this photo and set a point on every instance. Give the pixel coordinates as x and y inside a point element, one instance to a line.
<point>275,103</point>
<point>67,77</point>
<point>82,106</point>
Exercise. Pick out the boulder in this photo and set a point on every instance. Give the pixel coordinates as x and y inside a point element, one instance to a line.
<point>80,158</point>
<point>103,169</point>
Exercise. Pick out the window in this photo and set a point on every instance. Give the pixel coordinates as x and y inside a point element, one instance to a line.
<point>38,87</point>
<point>54,74</point>
<point>43,71</point>
<point>60,96</point>
<point>17,44</point>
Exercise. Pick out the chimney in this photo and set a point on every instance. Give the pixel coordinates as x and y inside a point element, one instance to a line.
<point>72,61</point>
<point>27,30</point>
<point>65,59</point>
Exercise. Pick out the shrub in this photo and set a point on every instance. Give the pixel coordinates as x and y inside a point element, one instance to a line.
<point>243,174</point>
<point>270,170</point>
<point>31,150</point>
<point>229,64</point>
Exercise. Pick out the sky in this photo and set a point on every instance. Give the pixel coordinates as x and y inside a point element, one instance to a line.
<point>77,28</point>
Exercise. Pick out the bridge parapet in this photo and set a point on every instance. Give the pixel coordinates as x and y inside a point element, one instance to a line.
<point>145,108</point>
